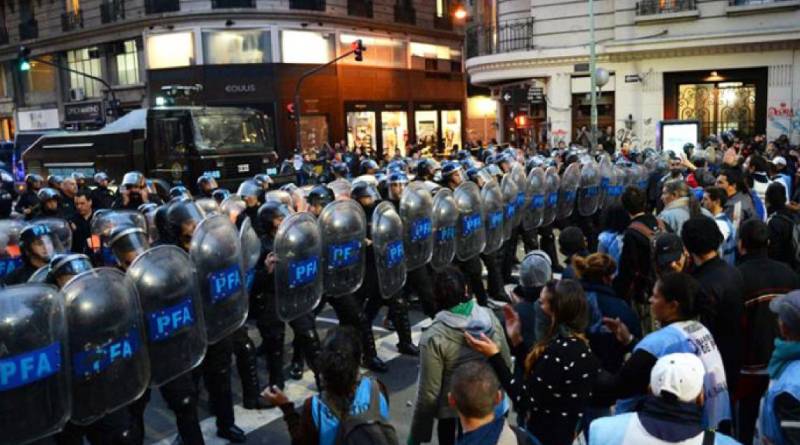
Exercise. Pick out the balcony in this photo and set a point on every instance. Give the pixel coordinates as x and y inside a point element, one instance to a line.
<point>310,5</point>
<point>4,36</point>
<point>360,8</point>
<point>161,6</point>
<point>505,37</point>
<point>221,4</point>
<point>29,30</point>
<point>112,11</point>
<point>743,7</point>
<point>72,20</point>
<point>404,13</point>
<point>652,7</point>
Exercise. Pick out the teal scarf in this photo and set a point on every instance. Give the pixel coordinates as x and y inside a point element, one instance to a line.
<point>785,352</point>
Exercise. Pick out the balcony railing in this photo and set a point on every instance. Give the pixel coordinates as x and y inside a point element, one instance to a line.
<point>72,20</point>
<point>651,7</point>
<point>4,36</point>
<point>404,13</point>
<point>29,30</point>
<point>754,2</point>
<point>311,5</point>
<point>359,8</point>
<point>159,6</point>
<point>505,37</point>
<point>219,4</point>
<point>112,11</point>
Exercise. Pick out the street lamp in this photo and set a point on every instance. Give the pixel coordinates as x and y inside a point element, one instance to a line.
<point>460,13</point>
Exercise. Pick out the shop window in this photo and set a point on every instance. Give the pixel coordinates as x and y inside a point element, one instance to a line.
<point>170,50</point>
<point>381,51</point>
<point>394,132</point>
<point>361,129</point>
<point>313,131</point>
<point>224,47</point>
<point>85,60</point>
<point>451,130</point>
<point>305,47</point>
<point>127,63</point>
<point>427,128</point>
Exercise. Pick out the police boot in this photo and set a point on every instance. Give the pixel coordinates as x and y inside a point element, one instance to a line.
<point>370,359</point>
<point>296,370</point>
<point>403,325</point>
<point>310,346</point>
<point>232,433</point>
<point>247,365</point>
<point>275,368</point>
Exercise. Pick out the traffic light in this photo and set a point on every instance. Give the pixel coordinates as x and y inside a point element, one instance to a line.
<point>23,58</point>
<point>290,111</point>
<point>358,49</point>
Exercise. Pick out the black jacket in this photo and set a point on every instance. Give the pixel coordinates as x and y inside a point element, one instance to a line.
<point>102,198</point>
<point>28,200</point>
<point>20,275</point>
<point>720,304</point>
<point>634,280</point>
<point>781,227</point>
<point>81,232</point>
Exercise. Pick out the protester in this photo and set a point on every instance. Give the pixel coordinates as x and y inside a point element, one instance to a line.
<point>669,254</point>
<point>635,275</point>
<point>560,369</point>
<point>443,348</point>
<point>679,205</point>
<point>672,412</point>
<point>714,200</point>
<point>81,223</point>
<point>534,272</point>
<point>475,395</point>
<point>740,205</point>
<point>782,222</point>
<point>571,243</point>
<point>614,221</point>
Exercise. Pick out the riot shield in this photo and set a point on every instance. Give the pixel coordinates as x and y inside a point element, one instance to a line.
<point>60,229</point>
<point>387,242</point>
<point>640,173</point>
<point>344,227</point>
<point>10,254</point>
<point>232,206</point>
<point>34,367</point>
<point>492,199</point>
<point>518,175</point>
<point>298,281</point>
<point>606,169</point>
<point>470,234</point>
<point>105,222</point>
<point>568,190</point>
<point>589,191</point>
<point>251,252</point>
<point>551,196</point>
<point>445,218</point>
<point>341,188</point>
<point>173,311</point>
<point>616,185</point>
<point>416,209</point>
<point>509,188</point>
<point>532,218</point>
<point>207,206</point>
<point>110,363</point>
<point>216,252</point>
<point>40,276</point>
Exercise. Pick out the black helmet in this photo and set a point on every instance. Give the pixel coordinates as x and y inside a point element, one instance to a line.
<point>340,168</point>
<point>33,181</point>
<point>180,191</point>
<point>271,210</point>
<point>219,195</point>
<point>34,232</point>
<point>364,190</point>
<point>100,176</point>
<point>54,181</point>
<point>47,194</point>
<point>125,239</point>
<point>67,264</point>
<point>181,212</point>
<point>206,179</point>
<point>320,195</point>
<point>162,225</point>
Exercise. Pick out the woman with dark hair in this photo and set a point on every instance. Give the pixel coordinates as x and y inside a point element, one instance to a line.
<point>673,306</point>
<point>560,370</point>
<point>344,393</point>
<point>443,348</point>
<point>614,220</point>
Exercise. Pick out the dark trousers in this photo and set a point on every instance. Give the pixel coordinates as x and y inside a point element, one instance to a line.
<point>419,281</point>
<point>473,270</point>
<point>216,374</point>
<point>494,281</point>
<point>115,428</point>
<point>447,431</point>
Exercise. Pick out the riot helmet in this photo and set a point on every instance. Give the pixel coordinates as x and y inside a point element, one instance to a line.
<point>250,192</point>
<point>368,166</point>
<point>38,244</point>
<point>33,182</point>
<point>206,184</point>
<point>182,218</point>
<point>180,192</point>
<point>133,179</point>
<point>427,168</point>
<point>398,165</point>
<point>127,243</point>
<point>451,174</point>
<point>397,182</point>
<point>80,179</point>
<point>54,181</point>
<point>65,266</point>
<point>101,179</point>
<point>220,195</point>
<point>340,169</point>
<point>271,214</point>
<point>318,198</point>
<point>263,180</point>
<point>50,199</point>
<point>535,269</point>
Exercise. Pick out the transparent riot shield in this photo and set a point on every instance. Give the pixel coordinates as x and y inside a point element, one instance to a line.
<point>344,227</point>
<point>509,188</point>
<point>104,223</point>
<point>470,234</point>
<point>552,182</point>
<point>416,209</point>
<point>251,252</point>
<point>589,190</point>
<point>518,175</point>
<point>61,230</point>
<point>568,191</point>
<point>298,275</point>
<point>388,244</point>
<point>445,218</point>
<point>533,217</point>
<point>10,253</point>
<point>493,213</point>
<point>341,188</point>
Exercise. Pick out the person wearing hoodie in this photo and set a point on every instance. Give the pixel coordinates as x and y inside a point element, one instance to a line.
<point>679,205</point>
<point>560,370</point>
<point>739,206</point>
<point>672,412</point>
<point>443,348</point>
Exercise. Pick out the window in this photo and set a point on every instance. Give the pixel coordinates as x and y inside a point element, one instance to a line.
<point>85,60</point>
<point>28,27</point>
<point>128,64</point>
<point>306,47</point>
<point>380,51</point>
<point>73,6</point>
<point>441,17</point>
<point>170,50</point>
<point>441,8</point>
<point>40,80</point>
<point>223,47</point>
<point>312,5</point>
<point>361,8</point>
<point>5,87</point>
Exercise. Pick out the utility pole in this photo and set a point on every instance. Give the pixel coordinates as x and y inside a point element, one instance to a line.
<point>593,80</point>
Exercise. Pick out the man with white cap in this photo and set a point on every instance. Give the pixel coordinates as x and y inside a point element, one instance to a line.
<point>779,174</point>
<point>779,422</point>
<point>672,413</point>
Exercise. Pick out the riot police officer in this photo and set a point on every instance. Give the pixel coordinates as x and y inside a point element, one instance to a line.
<point>102,197</point>
<point>179,192</point>
<point>251,193</point>
<point>318,198</point>
<point>206,186</point>
<point>133,192</point>
<point>28,203</point>
<point>182,218</point>
<point>50,203</point>
<point>37,244</point>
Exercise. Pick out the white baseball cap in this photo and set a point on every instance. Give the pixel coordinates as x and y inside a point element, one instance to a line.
<point>779,160</point>
<point>680,374</point>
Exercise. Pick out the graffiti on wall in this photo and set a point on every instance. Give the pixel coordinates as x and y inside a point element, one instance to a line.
<point>784,119</point>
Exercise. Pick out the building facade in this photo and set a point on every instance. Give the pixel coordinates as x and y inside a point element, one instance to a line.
<point>409,87</point>
<point>730,64</point>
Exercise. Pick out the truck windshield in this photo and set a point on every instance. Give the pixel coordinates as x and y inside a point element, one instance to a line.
<point>232,132</point>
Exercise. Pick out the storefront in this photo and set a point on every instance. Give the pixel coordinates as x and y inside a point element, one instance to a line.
<point>377,127</point>
<point>438,126</point>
